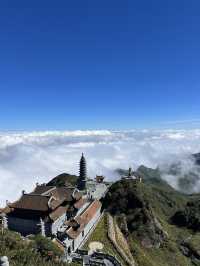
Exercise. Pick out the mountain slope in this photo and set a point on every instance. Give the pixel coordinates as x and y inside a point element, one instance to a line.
<point>144,212</point>
<point>63,179</point>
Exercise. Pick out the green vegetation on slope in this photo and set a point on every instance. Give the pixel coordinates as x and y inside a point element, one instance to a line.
<point>144,212</point>
<point>147,173</point>
<point>189,216</point>
<point>101,234</point>
<point>63,179</point>
<point>38,250</point>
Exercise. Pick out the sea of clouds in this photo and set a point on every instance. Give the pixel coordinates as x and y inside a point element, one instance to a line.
<point>30,157</point>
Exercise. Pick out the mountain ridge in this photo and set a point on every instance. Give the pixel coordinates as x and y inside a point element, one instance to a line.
<point>145,213</point>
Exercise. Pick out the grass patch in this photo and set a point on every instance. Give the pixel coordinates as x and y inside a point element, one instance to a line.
<point>167,255</point>
<point>101,234</point>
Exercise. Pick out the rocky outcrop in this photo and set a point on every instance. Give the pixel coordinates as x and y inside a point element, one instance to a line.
<point>152,234</point>
<point>191,251</point>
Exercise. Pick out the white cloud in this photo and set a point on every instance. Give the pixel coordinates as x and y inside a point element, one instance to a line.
<point>29,157</point>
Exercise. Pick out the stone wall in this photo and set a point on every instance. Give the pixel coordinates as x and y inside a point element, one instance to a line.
<point>112,237</point>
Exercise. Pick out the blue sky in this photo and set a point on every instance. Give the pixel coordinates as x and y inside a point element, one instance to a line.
<point>99,64</point>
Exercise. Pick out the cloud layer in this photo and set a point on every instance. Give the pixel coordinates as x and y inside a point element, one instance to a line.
<point>30,157</point>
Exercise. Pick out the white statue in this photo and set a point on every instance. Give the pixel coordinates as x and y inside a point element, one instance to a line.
<point>4,261</point>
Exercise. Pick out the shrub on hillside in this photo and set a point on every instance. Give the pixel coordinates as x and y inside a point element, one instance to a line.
<point>45,247</point>
<point>189,217</point>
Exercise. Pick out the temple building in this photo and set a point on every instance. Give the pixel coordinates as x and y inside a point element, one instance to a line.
<point>74,231</point>
<point>65,213</point>
<point>43,210</point>
<point>132,175</point>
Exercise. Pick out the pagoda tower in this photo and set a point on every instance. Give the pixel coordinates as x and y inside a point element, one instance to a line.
<point>82,174</point>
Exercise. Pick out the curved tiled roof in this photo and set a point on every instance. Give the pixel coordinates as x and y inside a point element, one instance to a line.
<point>45,198</point>
<point>79,204</point>
<point>58,212</point>
<point>32,202</point>
<point>84,219</point>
